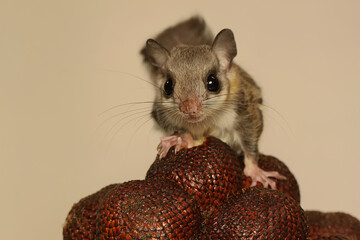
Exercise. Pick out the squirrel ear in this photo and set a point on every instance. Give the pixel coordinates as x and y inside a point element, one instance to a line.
<point>156,53</point>
<point>224,47</point>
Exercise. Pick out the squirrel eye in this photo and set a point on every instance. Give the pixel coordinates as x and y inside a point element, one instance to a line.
<point>212,83</point>
<point>169,87</point>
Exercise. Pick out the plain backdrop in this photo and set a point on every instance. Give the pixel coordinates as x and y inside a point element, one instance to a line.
<point>68,68</point>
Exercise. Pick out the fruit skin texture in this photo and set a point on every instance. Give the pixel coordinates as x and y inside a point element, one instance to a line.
<point>80,223</point>
<point>257,213</point>
<point>135,210</point>
<point>209,172</point>
<point>202,193</point>
<point>332,237</point>
<point>270,163</point>
<point>333,224</point>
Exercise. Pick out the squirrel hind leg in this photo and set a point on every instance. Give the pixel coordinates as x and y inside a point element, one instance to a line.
<point>259,175</point>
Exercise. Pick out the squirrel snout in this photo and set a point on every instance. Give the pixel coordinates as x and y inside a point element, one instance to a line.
<point>190,106</point>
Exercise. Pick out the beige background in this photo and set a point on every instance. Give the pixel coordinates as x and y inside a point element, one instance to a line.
<point>65,62</point>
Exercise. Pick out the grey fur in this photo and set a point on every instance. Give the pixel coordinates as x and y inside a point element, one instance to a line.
<point>188,54</point>
<point>193,31</point>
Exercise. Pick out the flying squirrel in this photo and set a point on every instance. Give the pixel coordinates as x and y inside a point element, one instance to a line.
<point>200,91</point>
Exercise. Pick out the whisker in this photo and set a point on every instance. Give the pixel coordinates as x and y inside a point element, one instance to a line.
<point>276,111</point>
<point>224,94</point>
<point>117,131</point>
<point>281,117</point>
<point>143,124</point>
<point>124,104</point>
<point>131,103</point>
<point>211,105</point>
<point>217,111</point>
<point>170,112</point>
<point>128,116</point>
<point>203,94</point>
<point>134,76</point>
<point>121,113</point>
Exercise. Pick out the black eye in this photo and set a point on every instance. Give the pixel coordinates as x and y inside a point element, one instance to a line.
<point>212,83</point>
<point>169,87</point>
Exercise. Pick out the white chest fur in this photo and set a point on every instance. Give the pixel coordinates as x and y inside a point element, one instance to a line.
<point>225,129</point>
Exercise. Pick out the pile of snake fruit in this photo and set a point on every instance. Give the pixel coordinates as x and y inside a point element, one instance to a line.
<point>201,193</point>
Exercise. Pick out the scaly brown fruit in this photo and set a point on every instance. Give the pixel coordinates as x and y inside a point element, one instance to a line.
<point>80,223</point>
<point>209,172</point>
<point>332,224</point>
<point>257,213</point>
<point>148,210</point>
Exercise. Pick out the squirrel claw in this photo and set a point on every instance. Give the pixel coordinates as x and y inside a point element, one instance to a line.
<point>183,141</point>
<point>259,175</point>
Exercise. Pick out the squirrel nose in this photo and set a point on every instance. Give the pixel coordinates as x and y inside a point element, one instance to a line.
<point>190,106</point>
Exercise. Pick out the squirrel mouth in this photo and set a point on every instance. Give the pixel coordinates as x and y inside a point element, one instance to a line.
<point>194,118</point>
